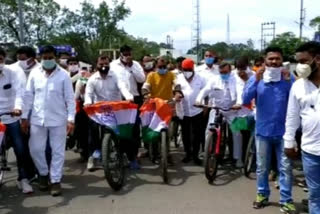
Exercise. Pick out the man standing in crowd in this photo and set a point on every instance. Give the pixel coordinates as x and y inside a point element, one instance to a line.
<point>11,94</point>
<point>26,61</point>
<point>191,85</point>
<point>304,109</point>
<point>270,88</point>
<point>130,73</point>
<point>50,97</point>
<point>208,70</point>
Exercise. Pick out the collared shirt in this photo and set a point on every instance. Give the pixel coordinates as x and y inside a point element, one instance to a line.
<point>208,73</point>
<point>129,76</point>
<point>105,89</point>
<point>224,93</point>
<point>240,84</point>
<point>11,94</point>
<point>271,105</point>
<point>50,98</point>
<point>304,109</point>
<point>190,91</point>
<point>23,75</point>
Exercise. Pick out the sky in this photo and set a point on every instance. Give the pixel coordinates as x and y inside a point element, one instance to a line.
<point>155,19</point>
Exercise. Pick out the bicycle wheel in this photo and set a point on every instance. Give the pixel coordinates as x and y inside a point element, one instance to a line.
<point>210,159</point>
<point>112,160</point>
<point>250,158</point>
<point>164,156</point>
<point>3,163</point>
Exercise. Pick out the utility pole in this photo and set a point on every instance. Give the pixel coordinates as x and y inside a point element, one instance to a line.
<point>197,29</point>
<point>302,18</point>
<point>228,30</point>
<point>268,29</point>
<point>21,22</point>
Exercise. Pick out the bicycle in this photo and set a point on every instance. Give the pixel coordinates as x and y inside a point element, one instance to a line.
<point>112,155</point>
<point>161,143</point>
<point>215,144</point>
<point>4,151</point>
<point>250,157</point>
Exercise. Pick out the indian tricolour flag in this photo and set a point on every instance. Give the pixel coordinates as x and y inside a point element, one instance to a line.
<point>155,115</point>
<point>2,132</point>
<point>120,116</point>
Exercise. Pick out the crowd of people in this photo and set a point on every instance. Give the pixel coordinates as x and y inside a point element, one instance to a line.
<point>46,95</point>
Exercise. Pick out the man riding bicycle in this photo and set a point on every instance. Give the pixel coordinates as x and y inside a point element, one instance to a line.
<point>102,86</point>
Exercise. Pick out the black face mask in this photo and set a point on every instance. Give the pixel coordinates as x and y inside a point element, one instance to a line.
<point>104,70</point>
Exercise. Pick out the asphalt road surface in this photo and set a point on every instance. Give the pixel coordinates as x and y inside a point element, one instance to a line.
<point>144,193</point>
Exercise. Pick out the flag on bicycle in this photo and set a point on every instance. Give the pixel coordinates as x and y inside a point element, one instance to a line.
<point>155,116</point>
<point>120,116</point>
<point>2,132</point>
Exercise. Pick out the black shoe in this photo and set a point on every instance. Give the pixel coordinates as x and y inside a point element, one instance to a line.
<point>197,161</point>
<point>186,159</point>
<point>55,189</point>
<point>43,183</point>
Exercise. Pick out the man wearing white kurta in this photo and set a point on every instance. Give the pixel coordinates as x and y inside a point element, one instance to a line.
<point>49,95</point>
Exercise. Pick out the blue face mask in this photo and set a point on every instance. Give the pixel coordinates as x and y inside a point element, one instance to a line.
<point>209,60</point>
<point>162,71</point>
<point>48,64</point>
<point>225,77</point>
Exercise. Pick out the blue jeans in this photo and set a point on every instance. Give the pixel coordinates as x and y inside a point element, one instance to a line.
<point>21,150</point>
<point>311,168</point>
<point>264,152</point>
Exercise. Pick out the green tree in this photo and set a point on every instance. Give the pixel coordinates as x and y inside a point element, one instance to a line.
<point>39,20</point>
<point>315,23</point>
<point>288,42</point>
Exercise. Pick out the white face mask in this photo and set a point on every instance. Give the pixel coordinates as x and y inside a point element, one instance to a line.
<point>148,65</point>
<point>188,74</point>
<point>24,64</point>
<point>63,62</point>
<point>73,68</point>
<point>272,74</point>
<point>303,70</point>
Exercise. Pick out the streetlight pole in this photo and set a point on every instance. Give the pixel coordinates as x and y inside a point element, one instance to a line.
<point>21,32</point>
<point>301,19</point>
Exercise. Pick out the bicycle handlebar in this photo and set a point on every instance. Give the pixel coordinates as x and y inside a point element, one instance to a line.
<point>6,113</point>
<point>214,107</point>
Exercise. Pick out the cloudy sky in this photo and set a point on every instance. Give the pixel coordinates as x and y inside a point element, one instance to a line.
<point>155,19</point>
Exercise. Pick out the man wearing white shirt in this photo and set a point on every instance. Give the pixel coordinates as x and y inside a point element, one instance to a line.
<point>191,84</point>
<point>26,57</point>
<point>130,73</point>
<point>209,70</point>
<point>50,97</point>
<point>224,94</point>
<point>11,101</point>
<point>304,110</point>
<point>102,86</point>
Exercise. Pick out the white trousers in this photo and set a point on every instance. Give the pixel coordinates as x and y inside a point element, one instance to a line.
<point>236,136</point>
<point>38,143</point>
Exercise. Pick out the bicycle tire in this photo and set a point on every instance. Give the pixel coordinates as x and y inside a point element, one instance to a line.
<point>110,144</point>
<point>210,159</point>
<point>2,164</point>
<point>164,156</point>
<point>250,158</point>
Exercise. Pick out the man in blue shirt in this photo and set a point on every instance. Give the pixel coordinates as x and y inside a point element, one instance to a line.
<point>270,88</point>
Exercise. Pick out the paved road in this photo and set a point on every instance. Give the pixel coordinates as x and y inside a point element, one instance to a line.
<point>144,193</point>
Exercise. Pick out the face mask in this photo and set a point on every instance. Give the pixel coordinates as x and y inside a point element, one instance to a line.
<point>303,70</point>
<point>104,70</point>
<point>124,59</point>
<point>48,64</point>
<point>188,74</point>
<point>162,71</point>
<point>63,62</point>
<point>272,74</point>
<point>24,64</point>
<point>74,68</point>
<point>209,60</point>
<point>225,77</point>
<point>1,67</point>
<point>148,66</point>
